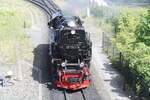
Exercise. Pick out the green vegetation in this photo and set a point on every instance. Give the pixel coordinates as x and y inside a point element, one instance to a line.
<point>133,40</point>
<point>107,17</point>
<point>14,18</point>
<point>130,28</point>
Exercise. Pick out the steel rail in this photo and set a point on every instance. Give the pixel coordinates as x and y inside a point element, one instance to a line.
<point>83,97</point>
<point>41,6</point>
<point>65,96</point>
<point>44,5</point>
<point>39,1</point>
<point>54,5</point>
<point>50,2</point>
<point>50,8</point>
<point>82,92</point>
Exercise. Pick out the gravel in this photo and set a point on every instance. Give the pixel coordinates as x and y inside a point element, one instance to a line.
<point>30,87</point>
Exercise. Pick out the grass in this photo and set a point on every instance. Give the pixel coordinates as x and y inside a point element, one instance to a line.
<point>14,18</point>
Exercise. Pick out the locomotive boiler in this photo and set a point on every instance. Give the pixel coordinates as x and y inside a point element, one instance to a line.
<point>70,51</point>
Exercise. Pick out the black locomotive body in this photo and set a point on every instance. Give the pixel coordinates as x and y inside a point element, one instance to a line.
<point>70,51</point>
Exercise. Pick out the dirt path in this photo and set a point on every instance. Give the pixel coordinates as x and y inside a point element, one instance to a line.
<point>108,82</point>
<point>40,39</point>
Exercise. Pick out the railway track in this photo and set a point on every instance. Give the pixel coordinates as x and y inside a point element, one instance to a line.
<point>51,8</point>
<point>47,5</point>
<point>81,95</point>
<point>41,5</point>
<point>84,94</point>
<point>89,93</point>
<point>69,95</point>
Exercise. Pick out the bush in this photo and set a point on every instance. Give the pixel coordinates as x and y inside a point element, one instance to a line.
<point>132,39</point>
<point>133,42</point>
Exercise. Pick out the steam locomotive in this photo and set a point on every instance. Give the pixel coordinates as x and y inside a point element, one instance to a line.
<point>70,51</point>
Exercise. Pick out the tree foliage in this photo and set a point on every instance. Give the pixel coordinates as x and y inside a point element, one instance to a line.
<point>143,29</point>
<point>133,39</point>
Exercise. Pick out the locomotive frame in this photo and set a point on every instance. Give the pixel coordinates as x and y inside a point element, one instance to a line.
<point>70,52</point>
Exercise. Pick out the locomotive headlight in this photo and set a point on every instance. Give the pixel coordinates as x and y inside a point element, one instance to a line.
<point>63,64</point>
<point>73,32</point>
<point>71,24</point>
<point>82,64</point>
